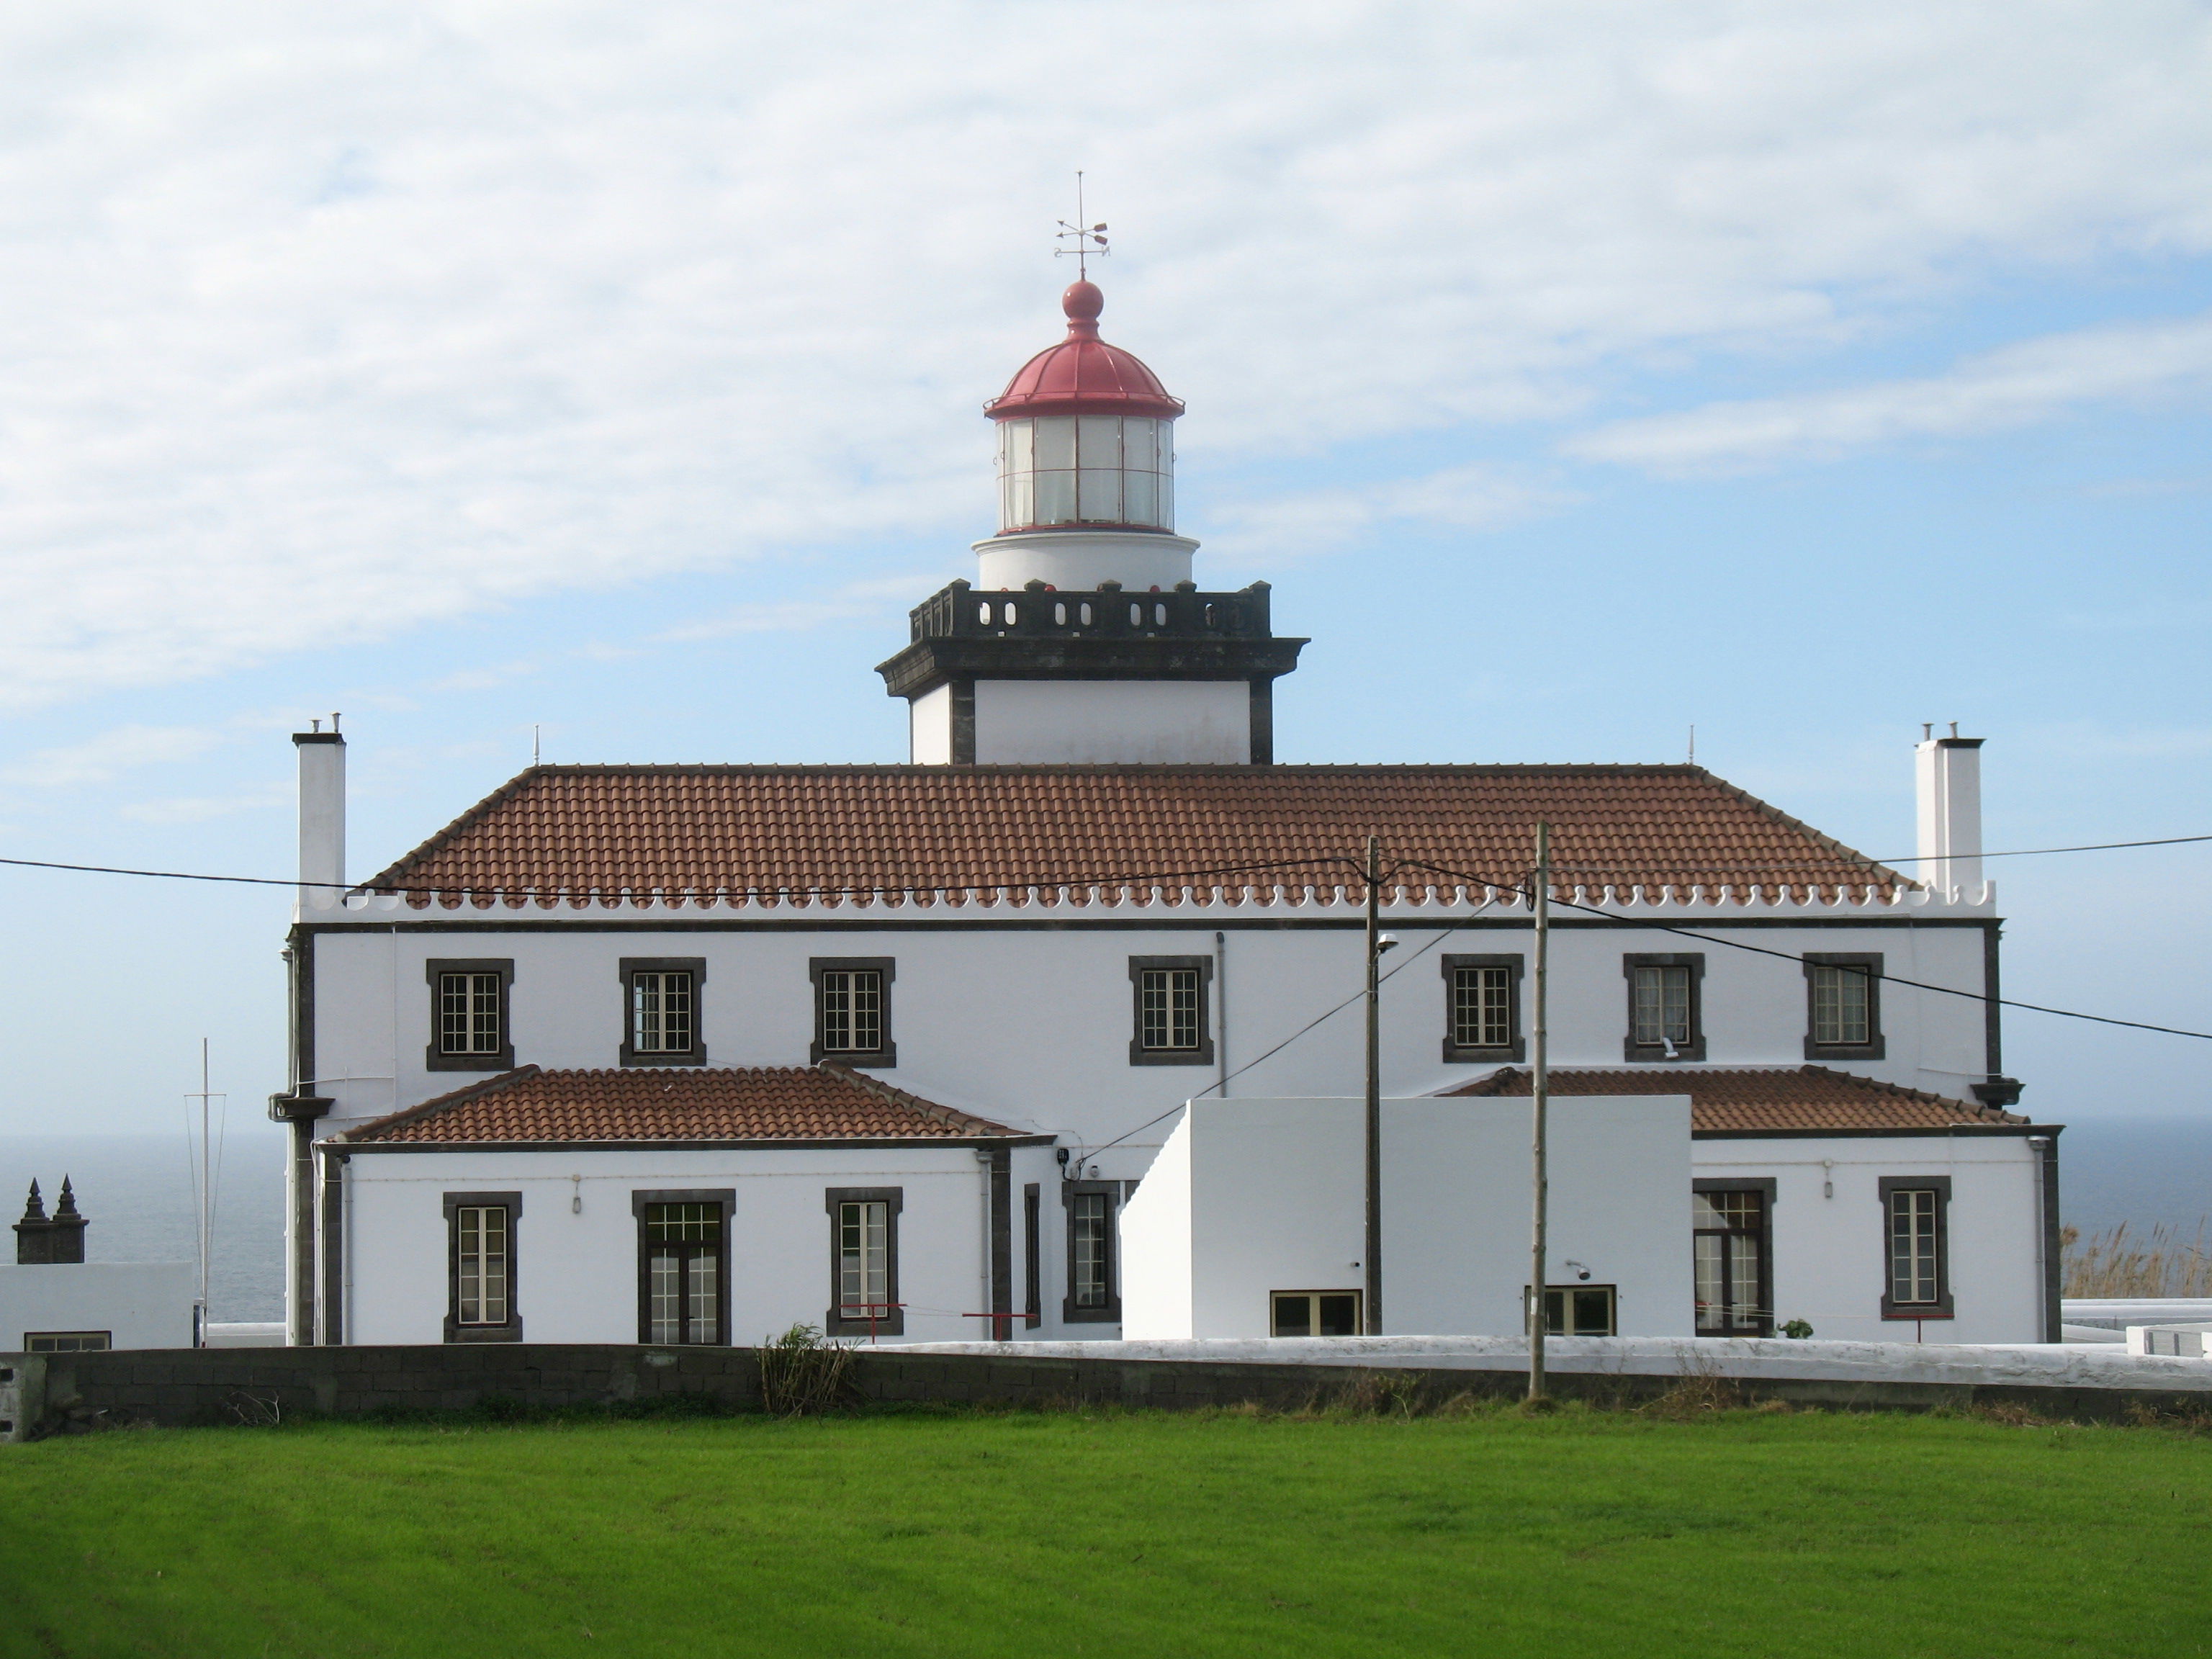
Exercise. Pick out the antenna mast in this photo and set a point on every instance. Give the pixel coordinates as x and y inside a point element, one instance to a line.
<point>206,1197</point>
<point>1088,239</point>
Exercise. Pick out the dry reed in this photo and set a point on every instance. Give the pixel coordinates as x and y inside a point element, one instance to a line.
<point>2111,1264</point>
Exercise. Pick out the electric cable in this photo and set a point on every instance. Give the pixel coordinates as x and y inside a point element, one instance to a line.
<point>1786,956</point>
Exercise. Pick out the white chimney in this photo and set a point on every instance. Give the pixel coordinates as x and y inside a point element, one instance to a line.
<point>1948,774</point>
<point>322,810</point>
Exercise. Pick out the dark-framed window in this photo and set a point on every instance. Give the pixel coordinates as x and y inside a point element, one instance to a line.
<point>852,1010</point>
<point>1094,1294</point>
<point>1915,1238</point>
<point>1576,1309</point>
<point>660,1010</point>
<point>1843,1005</point>
<point>1314,1313</point>
<point>1033,1255</point>
<point>470,1029</point>
<point>480,1296</point>
<point>1482,1008</point>
<point>684,1265</point>
<point>1171,1009</point>
<point>1666,1016</point>
<point>864,1268</point>
<point>1732,1243</point>
<point>68,1341</point>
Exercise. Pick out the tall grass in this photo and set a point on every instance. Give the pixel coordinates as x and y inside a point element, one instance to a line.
<point>2110,1263</point>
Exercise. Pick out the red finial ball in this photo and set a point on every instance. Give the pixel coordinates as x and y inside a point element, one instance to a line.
<point>1083,302</point>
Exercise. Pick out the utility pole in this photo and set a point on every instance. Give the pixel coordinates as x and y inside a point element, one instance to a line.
<point>1540,1089</point>
<point>206,1207</point>
<point>1372,1249</point>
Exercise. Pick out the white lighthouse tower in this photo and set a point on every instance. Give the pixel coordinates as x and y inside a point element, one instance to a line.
<point>1084,637</point>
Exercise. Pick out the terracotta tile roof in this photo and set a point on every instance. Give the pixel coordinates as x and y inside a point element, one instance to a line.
<point>648,1103</point>
<point>708,830</point>
<point>1800,1098</point>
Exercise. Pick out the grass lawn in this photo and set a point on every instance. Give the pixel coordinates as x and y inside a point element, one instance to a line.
<point>1580,1534</point>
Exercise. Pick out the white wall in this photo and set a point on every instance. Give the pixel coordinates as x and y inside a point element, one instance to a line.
<point>1078,560</point>
<point>1025,1015</point>
<point>140,1304</point>
<point>1252,1196</point>
<point>1019,722</point>
<point>576,1269</point>
<point>929,727</point>
<point>1830,1249</point>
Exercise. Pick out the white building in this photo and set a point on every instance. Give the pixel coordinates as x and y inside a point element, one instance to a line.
<point>697,1052</point>
<point>53,1301</point>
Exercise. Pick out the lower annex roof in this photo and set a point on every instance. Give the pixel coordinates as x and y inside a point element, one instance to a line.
<point>1793,1100</point>
<point>767,1103</point>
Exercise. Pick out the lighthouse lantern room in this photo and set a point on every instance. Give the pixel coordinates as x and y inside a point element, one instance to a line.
<point>1084,637</point>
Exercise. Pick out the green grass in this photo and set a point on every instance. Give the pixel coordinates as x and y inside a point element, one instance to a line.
<point>1576,1534</point>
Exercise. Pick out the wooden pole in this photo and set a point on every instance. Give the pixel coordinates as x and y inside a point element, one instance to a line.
<point>1540,1090</point>
<point>1371,1247</point>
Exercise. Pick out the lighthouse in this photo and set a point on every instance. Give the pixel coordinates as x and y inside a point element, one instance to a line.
<point>1084,638</point>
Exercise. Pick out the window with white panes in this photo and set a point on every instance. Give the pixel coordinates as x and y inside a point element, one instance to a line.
<point>468,1013</point>
<point>661,1004</point>
<point>1663,1015</point>
<point>481,1261</point>
<point>684,1270</point>
<point>1482,1008</point>
<point>1730,1234</point>
<point>1915,1265</point>
<point>1086,468</point>
<point>1168,999</point>
<point>850,1011</point>
<point>864,1261</point>
<point>1843,1012</point>
<point>1091,1295</point>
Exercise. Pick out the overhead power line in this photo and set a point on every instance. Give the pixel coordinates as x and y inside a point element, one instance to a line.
<point>1788,956</point>
<point>1747,868</point>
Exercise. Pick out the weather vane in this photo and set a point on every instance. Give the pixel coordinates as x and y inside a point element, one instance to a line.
<point>1089,239</point>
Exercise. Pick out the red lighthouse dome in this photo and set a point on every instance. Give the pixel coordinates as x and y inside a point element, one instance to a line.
<point>1083,374</point>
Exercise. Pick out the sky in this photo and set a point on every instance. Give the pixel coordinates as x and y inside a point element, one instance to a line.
<point>1577,374</point>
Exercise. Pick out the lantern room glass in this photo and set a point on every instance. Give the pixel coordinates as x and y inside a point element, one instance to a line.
<point>1086,468</point>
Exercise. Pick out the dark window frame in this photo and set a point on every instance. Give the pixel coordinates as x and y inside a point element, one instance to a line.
<point>1203,1054</point>
<point>1943,1306</point>
<point>724,1197</point>
<point>628,969</point>
<point>1875,1047</point>
<point>1032,1255</point>
<point>512,1330</point>
<point>1688,1053</point>
<point>69,1342</point>
<point>1113,1192</point>
<point>1768,1187</point>
<point>1516,1049</point>
<point>501,1059</point>
<point>883,1057</point>
<point>892,1323</point>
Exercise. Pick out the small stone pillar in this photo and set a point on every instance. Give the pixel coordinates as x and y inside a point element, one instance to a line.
<point>42,1239</point>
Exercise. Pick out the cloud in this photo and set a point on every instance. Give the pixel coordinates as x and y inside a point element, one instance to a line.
<point>1468,498</point>
<point>319,324</point>
<point>860,601</point>
<point>200,809</point>
<point>98,760</point>
<point>2014,385</point>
